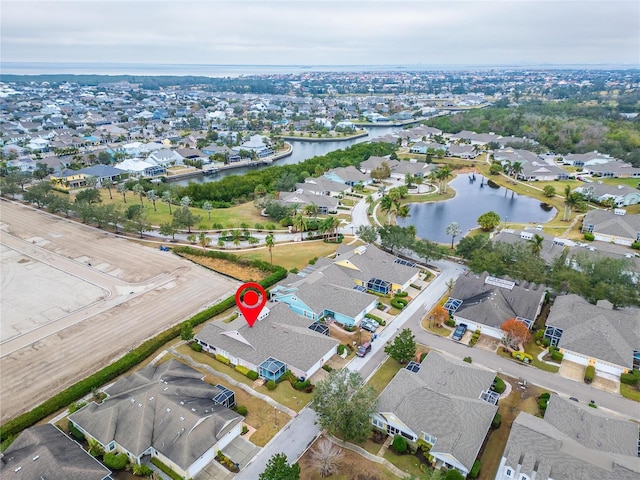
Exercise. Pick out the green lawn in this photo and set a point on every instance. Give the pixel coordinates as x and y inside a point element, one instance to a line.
<point>630,392</point>
<point>407,463</point>
<point>534,350</point>
<point>384,374</point>
<point>292,255</point>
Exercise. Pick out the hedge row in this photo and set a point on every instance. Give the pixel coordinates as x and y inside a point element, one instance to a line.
<point>522,356</point>
<point>374,318</point>
<point>398,303</point>
<point>631,378</point>
<point>137,355</point>
<point>165,469</point>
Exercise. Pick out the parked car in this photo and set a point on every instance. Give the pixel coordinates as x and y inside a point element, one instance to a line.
<point>364,349</point>
<point>163,248</point>
<point>459,332</point>
<point>369,325</point>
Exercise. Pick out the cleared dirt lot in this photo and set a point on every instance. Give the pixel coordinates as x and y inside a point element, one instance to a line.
<point>146,292</point>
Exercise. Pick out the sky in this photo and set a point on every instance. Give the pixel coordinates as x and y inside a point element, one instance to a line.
<point>322,32</point>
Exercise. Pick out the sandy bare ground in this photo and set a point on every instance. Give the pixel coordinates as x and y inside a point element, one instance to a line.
<point>133,292</point>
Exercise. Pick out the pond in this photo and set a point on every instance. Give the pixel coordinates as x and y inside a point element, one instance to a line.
<point>472,200</point>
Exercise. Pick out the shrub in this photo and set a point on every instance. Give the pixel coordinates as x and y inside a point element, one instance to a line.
<point>522,356</point>
<point>398,303</point>
<point>349,328</point>
<point>245,429</point>
<point>241,410</point>
<point>165,469</point>
<point>401,294</point>
<point>498,385</point>
<point>542,404</point>
<point>74,407</point>
<point>589,374</point>
<point>142,470</point>
<point>399,444</point>
<point>450,322</point>
<point>271,385</point>
<point>243,370</point>
<point>417,287</point>
<point>422,356</point>
<point>115,461</point>
<point>252,375</point>
<point>327,367</point>
<point>589,236</point>
<point>635,245</point>
<point>475,470</point>
<point>497,421</point>
<point>631,378</point>
<point>545,396</point>
<point>196,347</point>
<point>467,359</point>
<point>223,359</point>
<point>75,433</point>
<point>374,318</point>
<point>539,334</point>
<point>341,349</point>
<point>556,355</point>
<point>546,342</point>
<point>302,385</point>
<point>593,405</point>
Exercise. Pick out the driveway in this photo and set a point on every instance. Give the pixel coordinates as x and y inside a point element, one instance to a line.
<point>572,370</point>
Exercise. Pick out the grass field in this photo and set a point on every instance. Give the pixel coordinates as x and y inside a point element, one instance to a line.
<point>229,217</point>
<point>293,255</point>
<point>630,392</point>
<point>384,374</point>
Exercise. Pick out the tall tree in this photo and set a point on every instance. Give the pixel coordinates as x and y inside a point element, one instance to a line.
<point>122,189</point>
<point>516,333</point>
<point>167,197</point>
<point>139,190</point>
<point>184,218</point>
<point>108,184</point>
<point>489,220</point>
<point>367,233</point>
<point>403,348</point>
<point>278,468</point>
<point>536,244</point>
<point>325,457</point>
<point>344,405</point>
<point>207,206</point>
<point>153,197</point>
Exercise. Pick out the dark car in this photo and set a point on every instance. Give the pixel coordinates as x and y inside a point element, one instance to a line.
<point>364,349</point>
<point>459,332</point>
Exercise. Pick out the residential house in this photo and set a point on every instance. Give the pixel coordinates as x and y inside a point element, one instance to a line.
<point>137,166</point>
<point>165,157</point>
<point>325,203</point>
<point>475,138</point>
<point>229,154</point>
<point>348,175</point>
<point>483,302</point>
<point>326,292</point>
<point>615,227</point>
<point>595,334</point>
<point>44,452</point>
<point>68,179</point>
<point>373,162</point>
<point>279,340</point>
<point>164,411</point>
<point>444,402</point>
<point>467,152</point>
<point>600,192</point>
<point>413,167</point>
<point>571,442</point>
<point>533,167</point>
<point>613,169</point>
<point>586,159</point>
<point>322,186</point>
<point>102,173</point>
<point>257,144</point>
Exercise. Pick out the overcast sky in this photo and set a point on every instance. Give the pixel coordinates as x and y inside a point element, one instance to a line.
<point>322,32</point>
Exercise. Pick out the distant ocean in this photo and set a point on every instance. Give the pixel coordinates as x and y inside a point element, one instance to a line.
<point>38,68</point>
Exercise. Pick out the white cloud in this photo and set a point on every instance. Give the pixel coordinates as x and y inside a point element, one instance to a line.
<point>322,32</point>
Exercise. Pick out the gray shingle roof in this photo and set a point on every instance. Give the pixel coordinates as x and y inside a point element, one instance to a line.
<point>350,174</point>
<point>443,400</point>
<point>168,407</point>
<point>573,442</point>
<point>371,262</point>
<point>321,184</point>
<point>596,330</point>
<point>46,452</point>
<point>608,223</point>
<point>491,305</point>
<point>283,335</point>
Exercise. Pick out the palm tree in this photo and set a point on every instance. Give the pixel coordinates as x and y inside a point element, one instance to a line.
<point>108,183</point>
<point>516,169</point>
<point>139,189</point>
<point>311,210</point>
<point>300,223</point>
<point>152,196</point>
<point>167,197</point>
<point>387,205</point>
<point>270,242</point>
<point>536,244</point>
<point>235,235</point>
<point>567,195</point>
<point>186,201</point>
<point>403,212</point>
<point>370,201</point>
<point>453,229</point>
<point>444,174</point>
<point>203,240</point>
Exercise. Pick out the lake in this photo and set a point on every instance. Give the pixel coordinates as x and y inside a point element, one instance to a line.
<point>471,201</point>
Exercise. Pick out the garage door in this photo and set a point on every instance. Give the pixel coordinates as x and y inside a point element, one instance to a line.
<point>576,358</point>
<point>608,368</point>
<point>202,462</point>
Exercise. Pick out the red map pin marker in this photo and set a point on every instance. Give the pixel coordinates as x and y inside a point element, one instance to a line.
<point>250,298</point>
